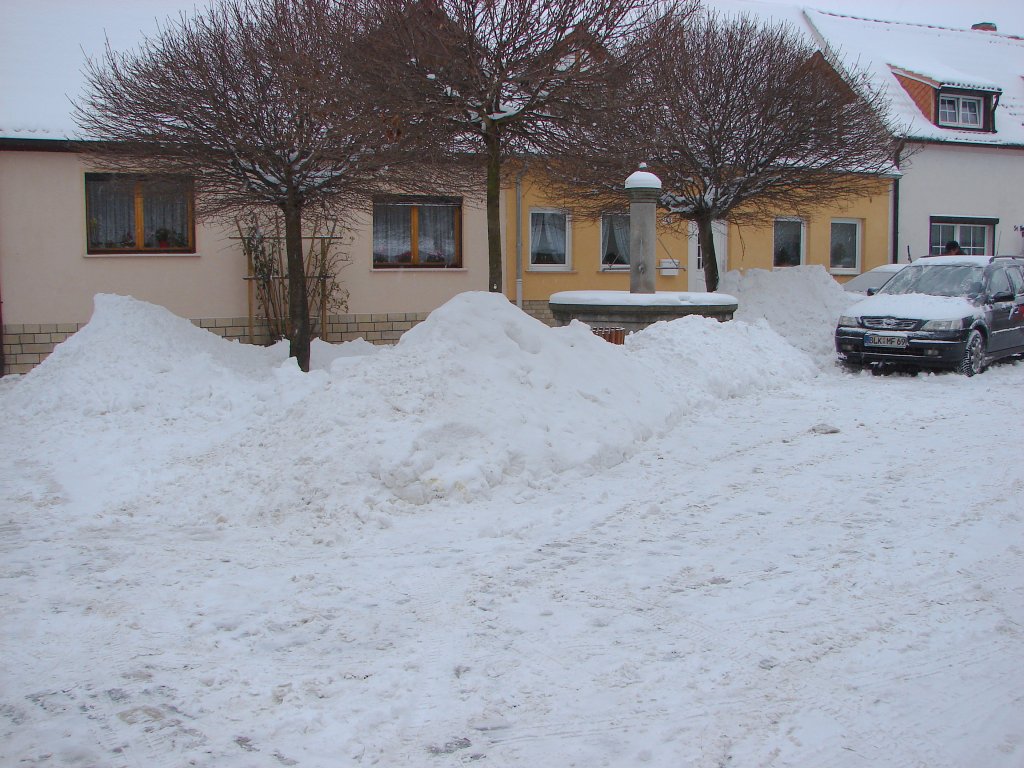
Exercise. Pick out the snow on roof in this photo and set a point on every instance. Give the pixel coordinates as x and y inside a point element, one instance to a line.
<point>942,57</point>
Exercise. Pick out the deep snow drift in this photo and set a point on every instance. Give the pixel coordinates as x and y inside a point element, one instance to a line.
<point>511,545</point>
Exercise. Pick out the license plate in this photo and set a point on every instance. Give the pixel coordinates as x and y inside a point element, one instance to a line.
<point>876,340</point>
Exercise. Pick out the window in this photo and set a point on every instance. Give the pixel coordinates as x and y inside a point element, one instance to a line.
<point>973,234</point>
<point>549,240</point>
<point>844,251</point>
<point>614,240</point>
<point>1016,280</point>
<point>961,111</point>
<point>789,243</point>
<point>127,213</point>
<point>999,282</point>
<point>417,232</point>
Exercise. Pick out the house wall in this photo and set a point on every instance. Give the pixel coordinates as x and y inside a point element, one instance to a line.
<point>751,246</point>
<point>962,181</point>
<point>48,281</point>
<point>46,276</point>
<point>585,272</point>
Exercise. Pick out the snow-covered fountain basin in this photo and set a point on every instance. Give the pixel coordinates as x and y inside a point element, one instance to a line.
<point>636,311</point>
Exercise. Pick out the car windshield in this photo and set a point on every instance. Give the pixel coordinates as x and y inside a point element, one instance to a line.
<point>937,280</point>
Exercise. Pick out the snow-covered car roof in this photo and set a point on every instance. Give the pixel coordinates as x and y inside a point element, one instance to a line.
<point>957,260</point>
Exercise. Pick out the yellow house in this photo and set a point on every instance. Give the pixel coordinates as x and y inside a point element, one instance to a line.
<point>551,248</point>
<point>845,238</point>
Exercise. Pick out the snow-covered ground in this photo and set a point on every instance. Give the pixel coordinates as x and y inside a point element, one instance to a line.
<point>503,544</point>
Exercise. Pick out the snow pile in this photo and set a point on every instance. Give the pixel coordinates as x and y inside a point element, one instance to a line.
<point>706,359</point>
<point>478,395</point>
<point>771,582</point>
<point>801,303</point>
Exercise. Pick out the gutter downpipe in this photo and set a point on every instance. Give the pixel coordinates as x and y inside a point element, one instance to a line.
<point>895,221</point>
<point>519,236</point>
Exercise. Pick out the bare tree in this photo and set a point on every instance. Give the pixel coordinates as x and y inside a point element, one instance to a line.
<point>739,119</point>
<point>265,103</point>
<point>504,76</point>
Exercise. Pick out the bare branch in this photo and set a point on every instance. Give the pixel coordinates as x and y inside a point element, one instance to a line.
<point>740,120</point>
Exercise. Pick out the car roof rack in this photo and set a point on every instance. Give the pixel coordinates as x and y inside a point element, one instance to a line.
<point>1006,256</point>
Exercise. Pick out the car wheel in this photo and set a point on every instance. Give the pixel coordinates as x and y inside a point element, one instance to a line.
<point>973,361</point>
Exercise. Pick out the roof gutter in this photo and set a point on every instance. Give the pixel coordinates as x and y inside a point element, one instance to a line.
<point>39,145</point>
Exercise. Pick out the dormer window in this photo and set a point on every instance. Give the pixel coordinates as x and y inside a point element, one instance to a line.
<point>959,105</point>
<point>961,111</point>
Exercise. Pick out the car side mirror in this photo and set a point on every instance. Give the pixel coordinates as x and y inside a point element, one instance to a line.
<point>871,291</point>
<point>1001,296</point>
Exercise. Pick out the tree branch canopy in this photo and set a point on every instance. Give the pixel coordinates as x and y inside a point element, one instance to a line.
<point>264,103</point>
<point>259,100</point>
<point>509,77</point>
<point>739,119</point>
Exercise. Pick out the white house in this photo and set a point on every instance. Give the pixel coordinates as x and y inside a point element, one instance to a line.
<point>957,97</point>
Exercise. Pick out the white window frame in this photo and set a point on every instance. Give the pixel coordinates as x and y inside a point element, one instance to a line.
<point>856,268</point>
<point>567,267</point>
<point>600,256</point>
<point>959,101</point>
<point>803,241</point>
<point>958,223</point>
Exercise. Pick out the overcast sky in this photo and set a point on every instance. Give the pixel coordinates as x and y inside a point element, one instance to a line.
<point>42,41</point>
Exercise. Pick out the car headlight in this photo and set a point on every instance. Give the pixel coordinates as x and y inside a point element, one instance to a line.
<point>849,321</point>
<point>943,325</point>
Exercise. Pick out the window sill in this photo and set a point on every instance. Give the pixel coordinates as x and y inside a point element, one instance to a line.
<point>844,271</point>
<point>137,254</point>
<point>971,128</point>
<point>558,270</point>
<point>392,270</point>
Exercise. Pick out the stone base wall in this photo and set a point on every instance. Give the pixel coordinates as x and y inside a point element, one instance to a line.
<point>540,310</point>
<point>25,346</point>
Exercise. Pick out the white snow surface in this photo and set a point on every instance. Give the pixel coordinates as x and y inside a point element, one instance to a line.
<point>502,544</point>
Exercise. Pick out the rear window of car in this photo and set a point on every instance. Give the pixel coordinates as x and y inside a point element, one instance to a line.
<point>936,280</point>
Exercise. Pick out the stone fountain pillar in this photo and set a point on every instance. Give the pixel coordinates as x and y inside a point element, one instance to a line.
<point>643,189</point>
<point>611,314</point>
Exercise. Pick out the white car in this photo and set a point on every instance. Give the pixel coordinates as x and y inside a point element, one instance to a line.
<point>873,279</point>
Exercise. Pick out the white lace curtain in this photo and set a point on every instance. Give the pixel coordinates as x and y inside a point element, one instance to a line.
<point>437,240</point>
<point>615,238</point>
<point>111,209</point>
<point>547,237</point>
<point>112,204</point>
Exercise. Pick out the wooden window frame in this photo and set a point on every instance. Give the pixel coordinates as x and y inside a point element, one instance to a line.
<point>139,183</point>
<point>415,203</point>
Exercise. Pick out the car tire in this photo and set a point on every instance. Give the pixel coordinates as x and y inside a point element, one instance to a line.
<point>973,360</point>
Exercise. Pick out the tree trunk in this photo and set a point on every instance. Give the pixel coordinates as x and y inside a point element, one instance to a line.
<point>493,143</point>
<point>706,240</point>
<point>298,302</point>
